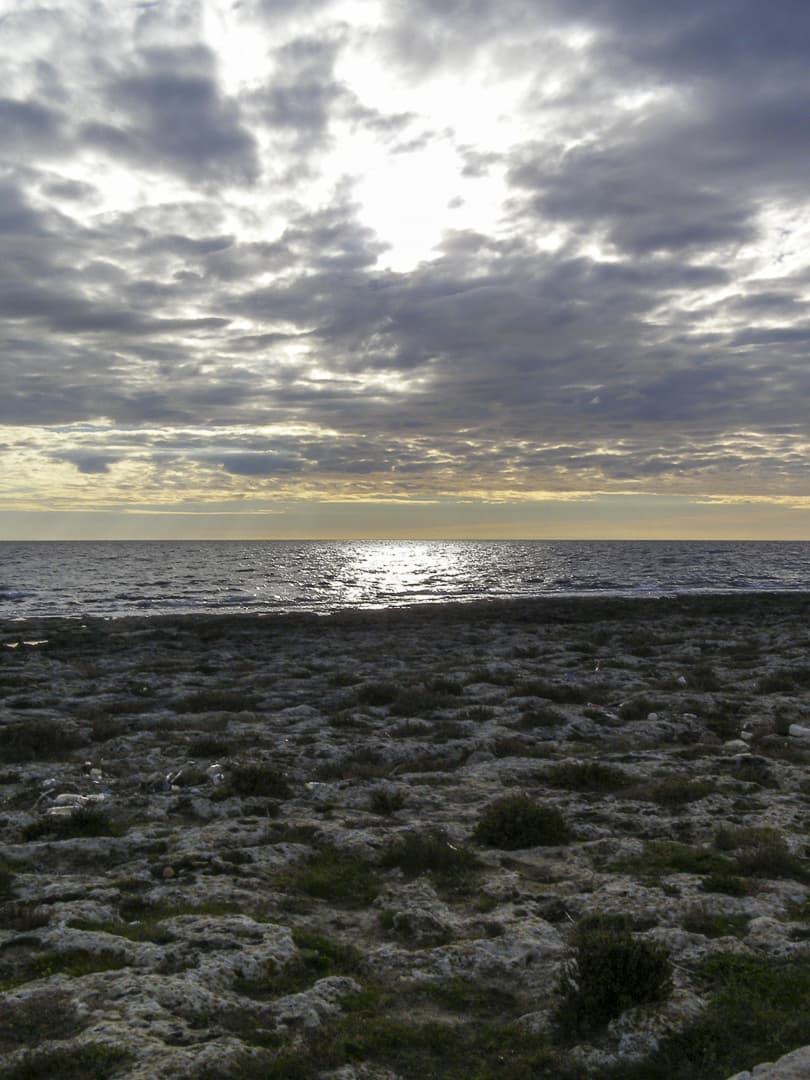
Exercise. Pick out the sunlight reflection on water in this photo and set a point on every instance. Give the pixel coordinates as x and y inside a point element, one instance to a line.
<point>121,577</point>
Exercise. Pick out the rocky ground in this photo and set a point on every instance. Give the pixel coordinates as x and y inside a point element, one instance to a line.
<point>563,839</point>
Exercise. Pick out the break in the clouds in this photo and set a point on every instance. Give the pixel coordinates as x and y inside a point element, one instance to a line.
<point>456,253</point>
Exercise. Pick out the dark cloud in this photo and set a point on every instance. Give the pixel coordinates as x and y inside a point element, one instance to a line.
<point>86,461</point>
<point>266,464</point>
<point>728,38</point>
<point>174,116</point>
<point>302,92</point>
<point>28,126</point>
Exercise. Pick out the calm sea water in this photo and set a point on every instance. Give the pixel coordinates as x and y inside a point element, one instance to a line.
<point>115,578</point>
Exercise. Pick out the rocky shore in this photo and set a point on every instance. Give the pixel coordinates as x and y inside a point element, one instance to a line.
<point>557,838</point>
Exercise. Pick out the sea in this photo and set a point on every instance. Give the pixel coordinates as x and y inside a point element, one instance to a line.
<point>112,579</point>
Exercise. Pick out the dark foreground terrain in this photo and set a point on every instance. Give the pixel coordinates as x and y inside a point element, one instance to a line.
<point>563,839</point>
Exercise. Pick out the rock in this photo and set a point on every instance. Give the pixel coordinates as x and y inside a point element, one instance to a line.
<point>799,731</point>
<point>793,1066</point>
<point>309,1009</point>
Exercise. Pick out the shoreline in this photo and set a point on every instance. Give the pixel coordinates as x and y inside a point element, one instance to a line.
<point>557,606</point>
<point>238,841</point>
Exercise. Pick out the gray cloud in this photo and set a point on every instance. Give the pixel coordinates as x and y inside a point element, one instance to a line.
<point>174,116</point>
<point>636,348</point>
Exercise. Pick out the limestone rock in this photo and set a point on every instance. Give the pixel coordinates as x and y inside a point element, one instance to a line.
<point>793,1066</point>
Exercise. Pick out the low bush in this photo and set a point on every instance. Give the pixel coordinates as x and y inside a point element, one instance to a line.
<point>783,681</point>
<point>516,821</point>
<point>541,716</point>
<point>90,820</point>
<point>560,693</point>
<point>41,1017</point>
<point>256,778</point>
<point>612,971</point>
<point>588,776</point>
<point>663,857</point>
<point>23,915</point>
<point>725,883</point>
<point>89,1061</point>
<point>638,709</point>
<point>38,739</point>
<point>772,860</point>
<point>713,924</point>
<point>343,879</point>
<point>429,852</point>
<point>478,714</point>
<point>207,746</point>
<point>677,791</point>
<point>376,694</point>
<point>6,881</point>
<point>757,1010</point>
<point>234,701</point>
<point>364,764</point>
<point>317,958</point>
<point>386,801</point>
<point>704,678</point>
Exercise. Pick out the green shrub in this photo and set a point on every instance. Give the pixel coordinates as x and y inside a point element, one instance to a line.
<point>772,860</point>
<point>23,915</point>
<point>90,1061</point>
<point>90,820</point>
<point>712,924</point>
<point>677,791</point>
<point>588,776</point>
<point>638,709</point>
<point>343,879</point>
<point>73,962</point>
<point>516,821</point>
<point>479,714</point>
<point>733,838</point>
<point>376,694</point>
<point>560,693</point>
<point>208,746</point>
<point>44,1016</point>
<point>429,852</point>
<point>317,957</point>
<point>611,972</point>
<point>784,680</point>
<point>386,801</point>
<point>256,778</point>
<point>725,883</point>
<point>662,857</point>
<point>541,716</point>
<point>757,1010</point>
<point>36,739</point>
<point>704,678</point>
<point>448,687</point>
<point>6,881</point>
<point>217,701</point>
<point>364,764</point>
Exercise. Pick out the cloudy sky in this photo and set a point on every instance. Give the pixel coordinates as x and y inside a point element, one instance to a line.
<point>404,267</point>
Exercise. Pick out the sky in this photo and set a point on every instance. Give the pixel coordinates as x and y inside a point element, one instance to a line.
<point>430,268</point>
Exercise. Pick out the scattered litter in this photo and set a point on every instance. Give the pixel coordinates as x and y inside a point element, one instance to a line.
<point>215,773</point>
<point>68,801</point>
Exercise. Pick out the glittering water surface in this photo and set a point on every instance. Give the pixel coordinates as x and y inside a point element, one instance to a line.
<point>115,578</point>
